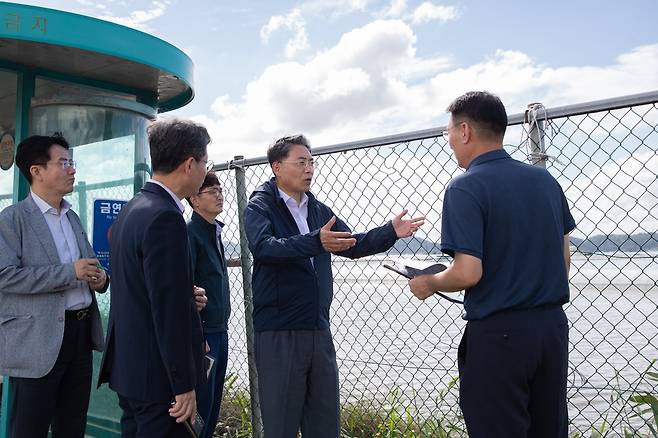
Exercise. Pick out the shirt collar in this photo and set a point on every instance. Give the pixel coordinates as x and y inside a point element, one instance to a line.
<point>497,154</point>
<point>217,225</point>
<point>179,204</point>
<point>44,207</point>
<point>289,199</point>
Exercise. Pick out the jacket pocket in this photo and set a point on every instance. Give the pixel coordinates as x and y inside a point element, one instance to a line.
<point>14,336</point>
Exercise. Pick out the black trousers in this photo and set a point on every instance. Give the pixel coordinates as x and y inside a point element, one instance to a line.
<point>142,419</point>
<point>60,399</point>
<point>513,374</point>
<point>298,383</point>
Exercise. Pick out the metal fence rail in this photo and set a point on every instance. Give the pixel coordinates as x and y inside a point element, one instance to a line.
<point>397,355</point>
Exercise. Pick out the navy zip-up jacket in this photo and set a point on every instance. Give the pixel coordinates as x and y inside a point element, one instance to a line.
<point>290,292</point>
<point>210,273</point>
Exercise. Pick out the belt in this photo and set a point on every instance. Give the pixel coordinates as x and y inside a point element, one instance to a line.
<point>78,315</point>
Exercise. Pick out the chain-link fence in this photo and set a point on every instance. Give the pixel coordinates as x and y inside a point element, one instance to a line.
<point>397,355</point>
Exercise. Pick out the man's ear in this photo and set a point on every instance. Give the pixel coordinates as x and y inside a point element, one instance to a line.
<point>186,166</point>
<point>276,168</point>
<point>467,132</point>
<point>35,171</point>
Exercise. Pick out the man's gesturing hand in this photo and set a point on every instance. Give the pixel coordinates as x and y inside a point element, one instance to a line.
<point>335,241</point>
<point>184,407</point>
<point>406,227</point>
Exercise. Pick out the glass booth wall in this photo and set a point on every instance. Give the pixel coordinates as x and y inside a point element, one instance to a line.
<point>8,83</point>
<point>110,149</point>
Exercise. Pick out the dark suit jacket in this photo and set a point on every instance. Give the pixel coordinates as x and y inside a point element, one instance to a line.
<point>154,338</point>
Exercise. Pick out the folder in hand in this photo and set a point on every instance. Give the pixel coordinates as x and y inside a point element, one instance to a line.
<point>411,272</point>
<point>403,268</point>
<point>194,429</point>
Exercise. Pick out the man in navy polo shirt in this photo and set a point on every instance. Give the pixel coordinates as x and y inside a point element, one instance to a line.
<point>507,226</point>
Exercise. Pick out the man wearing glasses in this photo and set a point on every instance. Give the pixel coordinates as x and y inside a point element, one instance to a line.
<point>497,215</point>
<point>292,236</point>
<point>209,266</point>
<point>49,318</point>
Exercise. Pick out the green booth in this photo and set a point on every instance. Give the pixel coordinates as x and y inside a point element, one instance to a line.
<point>99,84</point>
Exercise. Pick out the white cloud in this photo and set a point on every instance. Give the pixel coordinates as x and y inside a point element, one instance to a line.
<point>394,10</point>
<point>373,83</point>
<point>293,22</point>
<point>139,19</point>
<point>428,11</point>
<point>336,8</point>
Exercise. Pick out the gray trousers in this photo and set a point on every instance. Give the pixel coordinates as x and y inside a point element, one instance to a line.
<point>298,383</point>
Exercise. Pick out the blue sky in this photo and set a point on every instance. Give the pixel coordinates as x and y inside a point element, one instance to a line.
<point>341,70</point>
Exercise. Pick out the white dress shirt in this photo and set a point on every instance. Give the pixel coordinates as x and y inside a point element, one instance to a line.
<point>179,204</point>
<point>78,296</point>
<point>299,211</point>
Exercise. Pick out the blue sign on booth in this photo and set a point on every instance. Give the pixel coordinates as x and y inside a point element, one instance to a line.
<point>106,212</point>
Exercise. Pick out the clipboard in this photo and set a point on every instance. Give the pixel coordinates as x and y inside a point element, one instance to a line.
<point>411,272</point>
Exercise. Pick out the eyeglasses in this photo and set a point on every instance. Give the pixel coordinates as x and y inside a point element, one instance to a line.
<point>209,164</point>
<point>446,133</point>
<point>303,163</point>
<point>66,164</point>
<point>216,191</point>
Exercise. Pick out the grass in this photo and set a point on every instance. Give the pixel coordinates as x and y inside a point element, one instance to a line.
<point>395,418</point>
<point>641,405</point>
<point>365,419</point>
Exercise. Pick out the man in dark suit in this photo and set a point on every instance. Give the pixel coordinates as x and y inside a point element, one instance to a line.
<point>154,351</point>
<point>49,319</point>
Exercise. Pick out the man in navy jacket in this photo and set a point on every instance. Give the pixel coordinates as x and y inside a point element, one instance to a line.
<point>209,264</point>
<point>292,236</point>
<point>153,356</point>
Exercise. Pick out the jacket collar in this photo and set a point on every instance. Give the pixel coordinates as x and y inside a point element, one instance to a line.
<point>40,228</point>
<point>198,219</point>
<point>271,188</point>
<point>158,189</point>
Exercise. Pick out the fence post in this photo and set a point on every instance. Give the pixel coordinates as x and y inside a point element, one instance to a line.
<point>533,117</point>
<point>245,258</point>
<point>82,204</point>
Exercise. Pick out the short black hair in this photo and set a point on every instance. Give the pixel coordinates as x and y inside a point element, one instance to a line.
<point>173,141</point>
<point>36,150</point>
<point>280,149</point>
<point>483,109</point>
<point>210,180</point>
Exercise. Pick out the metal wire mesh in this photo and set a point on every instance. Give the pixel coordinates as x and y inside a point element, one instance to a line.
<point>397,355</point>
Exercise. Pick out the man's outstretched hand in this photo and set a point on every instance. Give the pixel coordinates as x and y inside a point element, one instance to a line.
<point>335,241</point>
<point>406,227</point>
